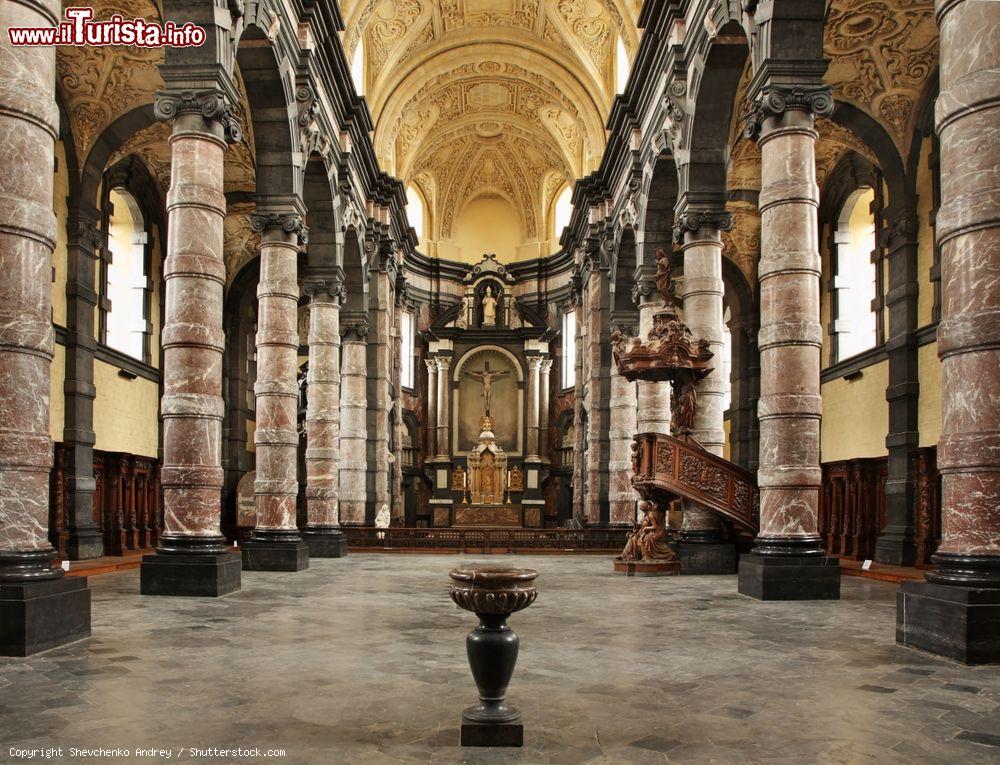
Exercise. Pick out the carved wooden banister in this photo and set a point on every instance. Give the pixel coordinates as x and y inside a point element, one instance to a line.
<point>666,468</point>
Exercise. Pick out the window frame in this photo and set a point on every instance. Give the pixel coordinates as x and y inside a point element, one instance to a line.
<point>408,360</point>
<point>566,369</point>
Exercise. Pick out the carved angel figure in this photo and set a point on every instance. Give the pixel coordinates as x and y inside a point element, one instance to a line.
<point>648,540</point>
<point>663,266</point>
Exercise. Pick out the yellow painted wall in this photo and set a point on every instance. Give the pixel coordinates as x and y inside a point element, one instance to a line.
<point>855,416</point>
<point>727,428</point>
<point>59,257</point>
<point>154,300</point>
<point>125,412</point>
<point>487,224</point>
<point>251,432</point>
<point>929,406</point>
<point>57,400</point>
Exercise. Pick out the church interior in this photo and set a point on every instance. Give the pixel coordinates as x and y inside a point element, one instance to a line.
<point>680,315</point>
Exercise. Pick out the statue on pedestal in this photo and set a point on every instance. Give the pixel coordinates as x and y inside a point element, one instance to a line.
<point>648,540</point>
<point>489,308</point>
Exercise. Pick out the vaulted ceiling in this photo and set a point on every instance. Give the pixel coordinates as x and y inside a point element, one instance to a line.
<point>503,99</point>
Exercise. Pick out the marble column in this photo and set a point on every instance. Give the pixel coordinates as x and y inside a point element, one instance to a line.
<point>652,398</point>
<point>956,612</point>
<point>192,558</point>
<point>598,365</point>
<point>702,548</point>
<point>379,384</point>
<point>353,427</point>
<point>322,533</point>
<point>276,544</point>
<point>431,395</point>
<point>621,495</point>
<point>444,409</point>
<point>579,425</point>
<point>532,391</point>
<point>38,608</point>
<point>788,561</point>
<point>545,386</point>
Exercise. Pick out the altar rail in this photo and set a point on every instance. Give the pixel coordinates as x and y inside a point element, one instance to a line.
<point>487,540</point>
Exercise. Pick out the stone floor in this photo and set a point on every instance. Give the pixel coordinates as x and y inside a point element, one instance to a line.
<point>361,660</point>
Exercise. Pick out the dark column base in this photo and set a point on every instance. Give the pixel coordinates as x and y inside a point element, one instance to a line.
<point>706,557</point>
<point>37,616</point>
<point>492,734</point>
<point>284,552</point>
<point>85,544</point>
<point>325,543</point>
<point>896,547</point>
<point>789,577</point>
<point>204,575</point>
<point>962,623</point>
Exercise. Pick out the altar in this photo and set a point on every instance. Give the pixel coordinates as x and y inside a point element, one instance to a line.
<point>488,515</point>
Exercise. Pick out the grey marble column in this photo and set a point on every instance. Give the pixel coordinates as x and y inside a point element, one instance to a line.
<point>276,544</point>
<point>652,398</point>
<point>444,408</point>
<point>379,383</point>
<point>956,612</point>
<point>532,391</point>
<point>431,393</point>
<point>353,428</point>
<point>788,560</point>
<point>322,533</point>
<point>545,386</point>
<point>621,495</point>
<point>192,408</point>
<point>699,234</point>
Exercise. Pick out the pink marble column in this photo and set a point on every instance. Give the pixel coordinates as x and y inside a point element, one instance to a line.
<point>444,408</point>
<point>322,533</point>
<point>353,426</point>
<point>29,123</point>
<point>652,398</point>
<point>192,338</point>
<point>276,485</point>
<point>968,232</point>
<point>699,234</point>
<point>790,331</point>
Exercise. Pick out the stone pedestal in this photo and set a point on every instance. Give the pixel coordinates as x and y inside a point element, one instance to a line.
<point>647,568</point>
<point>706,557</point>
<point>789,577</point>
<point>191,575</point>
<point>36,616</point>
<point>325,543</point>
<point>276,550</point>
<point>962,623</point>
<point>191,557</point>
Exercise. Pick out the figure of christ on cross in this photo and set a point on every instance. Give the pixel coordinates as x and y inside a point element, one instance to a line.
<point>486,377</point>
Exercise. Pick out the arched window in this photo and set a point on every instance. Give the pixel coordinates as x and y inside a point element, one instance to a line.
<point>408,350</point>
<point>727,360</point>
<point>126,280</point>
<point>358,67</point>
<point>415,211</point>
<point>562,211</point>
<point>855,279</point>
<point>621,66</point>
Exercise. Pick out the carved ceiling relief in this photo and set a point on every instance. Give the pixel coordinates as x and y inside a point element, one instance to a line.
<point>239,243</point>
<point>882,54</point>
<point>742,244</point>
<point>98,84</point>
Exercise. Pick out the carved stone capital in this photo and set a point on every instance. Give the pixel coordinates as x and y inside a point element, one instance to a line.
<point>692,221</point>
<point>211,104</point>
<point>354,330</point>
<point>775,100</point>
<point>332,287</point>
<point>290,223</point>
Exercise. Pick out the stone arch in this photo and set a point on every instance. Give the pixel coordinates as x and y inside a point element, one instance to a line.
<point>713,92</point>
<point>272,114</point>
<point>658,214</point>
<point>469,354</point>
<point>355,273</point>
<point>325,248</point>
<point>623,310</point>
<point>742,303</point>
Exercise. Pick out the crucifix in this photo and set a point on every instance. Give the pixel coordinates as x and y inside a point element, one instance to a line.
<point>486,377</point>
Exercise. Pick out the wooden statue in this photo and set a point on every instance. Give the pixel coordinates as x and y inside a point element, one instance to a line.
<point>648,540</point>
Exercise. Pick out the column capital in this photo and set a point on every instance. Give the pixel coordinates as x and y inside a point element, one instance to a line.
<point>332,287</point>
<point>212,104</point>
<point>432,365</point>
<point>692,220</point>
<point>775,100</point>
<point>290,223</point>
<point>546,365</point>
<point>443,363</point>
<point>355,329</point>
<point>534,363</point>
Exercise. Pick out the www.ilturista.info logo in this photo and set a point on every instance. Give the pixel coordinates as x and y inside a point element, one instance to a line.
<point>79,29</point>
